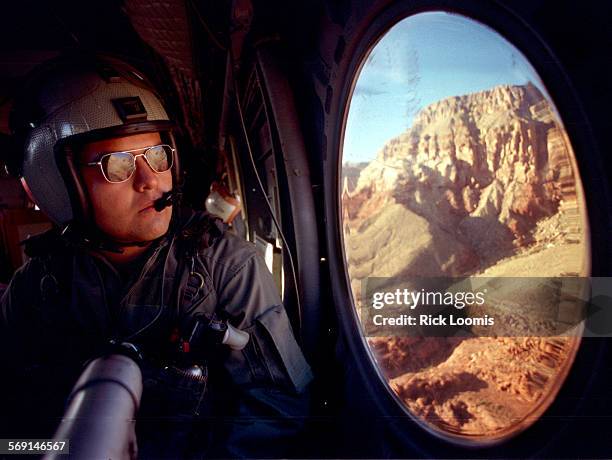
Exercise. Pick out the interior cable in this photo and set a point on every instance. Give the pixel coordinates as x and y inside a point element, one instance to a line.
<point>268,204</point>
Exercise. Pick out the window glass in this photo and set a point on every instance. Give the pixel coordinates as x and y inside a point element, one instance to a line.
<point>455,164</point>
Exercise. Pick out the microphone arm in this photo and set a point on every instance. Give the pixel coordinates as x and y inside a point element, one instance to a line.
<point>167,199</point>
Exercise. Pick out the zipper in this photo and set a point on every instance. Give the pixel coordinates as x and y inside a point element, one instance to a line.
<point>144,270</point>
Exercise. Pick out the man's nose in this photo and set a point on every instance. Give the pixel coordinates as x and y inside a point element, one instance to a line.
<point>144,177</point>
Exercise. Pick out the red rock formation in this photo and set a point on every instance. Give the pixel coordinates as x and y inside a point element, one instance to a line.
<point>484,167</point>
<point>482,181</point>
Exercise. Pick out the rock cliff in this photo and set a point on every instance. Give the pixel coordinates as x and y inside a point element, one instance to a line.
<point>481,169</point>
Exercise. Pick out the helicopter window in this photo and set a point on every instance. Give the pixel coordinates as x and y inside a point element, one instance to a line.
<point>455,163</point>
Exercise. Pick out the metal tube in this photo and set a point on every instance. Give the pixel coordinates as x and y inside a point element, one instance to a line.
<point>100,420</point>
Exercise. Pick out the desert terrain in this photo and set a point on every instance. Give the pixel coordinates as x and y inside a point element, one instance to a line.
<point>480,185</point>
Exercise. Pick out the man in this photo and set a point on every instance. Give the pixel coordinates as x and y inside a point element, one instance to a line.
<point>125,265</point>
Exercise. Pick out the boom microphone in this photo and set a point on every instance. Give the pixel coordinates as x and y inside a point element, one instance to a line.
<point>167,199</point>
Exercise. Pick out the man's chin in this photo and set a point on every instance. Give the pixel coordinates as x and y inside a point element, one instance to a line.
<point>146,235</point>
<point>151,236</point>
<point>153,228</point>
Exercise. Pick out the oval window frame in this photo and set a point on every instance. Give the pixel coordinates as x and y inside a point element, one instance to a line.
<point>505,23</point>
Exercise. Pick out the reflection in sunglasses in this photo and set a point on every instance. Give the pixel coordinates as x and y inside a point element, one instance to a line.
<point>120,166</point>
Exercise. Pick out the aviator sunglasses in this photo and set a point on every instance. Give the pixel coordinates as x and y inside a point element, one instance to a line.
<point>118,167</point>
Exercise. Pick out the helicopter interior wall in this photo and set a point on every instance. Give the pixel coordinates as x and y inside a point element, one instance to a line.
<point>304,54</point>
<point>374,414</point>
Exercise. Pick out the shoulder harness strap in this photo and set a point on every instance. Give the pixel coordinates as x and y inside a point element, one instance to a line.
<point>43,246</point>
<point>195,237</point>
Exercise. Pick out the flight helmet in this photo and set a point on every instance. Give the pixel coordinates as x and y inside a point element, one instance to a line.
<point>69,101</point>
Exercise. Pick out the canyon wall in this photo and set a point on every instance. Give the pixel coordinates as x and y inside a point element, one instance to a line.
<point>470,180</point>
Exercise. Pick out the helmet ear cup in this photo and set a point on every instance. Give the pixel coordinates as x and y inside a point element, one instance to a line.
<point>67,158</point>
<point>43,176</point>
<point>169,139</point>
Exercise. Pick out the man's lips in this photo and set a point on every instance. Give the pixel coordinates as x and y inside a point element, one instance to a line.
<point>149,207</point>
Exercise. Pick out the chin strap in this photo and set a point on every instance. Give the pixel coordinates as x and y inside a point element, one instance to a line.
<point>93,239</point>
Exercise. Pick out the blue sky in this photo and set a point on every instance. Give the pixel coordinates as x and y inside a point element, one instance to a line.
<point>422,59</point>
